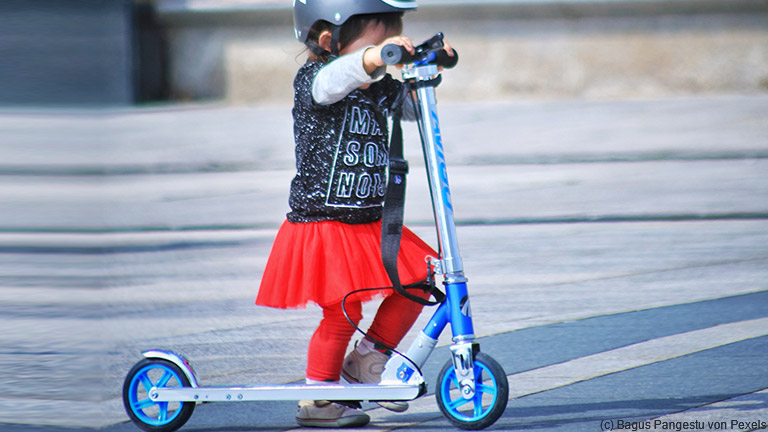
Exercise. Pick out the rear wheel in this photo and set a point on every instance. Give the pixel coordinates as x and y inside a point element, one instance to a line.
<point>488,402</point>
<point>146,413</point>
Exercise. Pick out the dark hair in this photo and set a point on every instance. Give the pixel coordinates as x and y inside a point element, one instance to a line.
<point>352,29</point>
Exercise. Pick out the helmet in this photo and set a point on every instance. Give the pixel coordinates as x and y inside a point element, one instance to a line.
<point>307,12</point>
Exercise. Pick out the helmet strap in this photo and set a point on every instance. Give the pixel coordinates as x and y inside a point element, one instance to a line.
<point>335,39</point>
<point>322,52</point>
<point>317,49</point>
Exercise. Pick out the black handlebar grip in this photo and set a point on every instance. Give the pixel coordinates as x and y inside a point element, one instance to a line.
<point>445,60</point>
<point>393,54</point>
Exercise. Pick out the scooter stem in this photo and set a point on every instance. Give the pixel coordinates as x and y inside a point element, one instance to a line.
<point>437,174</point>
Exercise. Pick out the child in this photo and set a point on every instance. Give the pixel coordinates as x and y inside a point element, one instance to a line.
<point>330,243</point>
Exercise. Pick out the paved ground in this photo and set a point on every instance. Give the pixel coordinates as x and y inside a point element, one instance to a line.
<point>617,254</point>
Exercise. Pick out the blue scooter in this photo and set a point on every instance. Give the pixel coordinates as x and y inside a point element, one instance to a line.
<point>161,390</point>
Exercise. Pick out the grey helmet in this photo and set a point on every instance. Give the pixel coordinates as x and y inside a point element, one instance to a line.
<point>307,12</point>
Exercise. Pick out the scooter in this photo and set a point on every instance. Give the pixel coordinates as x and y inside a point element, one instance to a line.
<point>161,390</point>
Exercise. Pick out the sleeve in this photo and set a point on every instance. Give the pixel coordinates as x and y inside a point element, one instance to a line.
<point>340,77</point>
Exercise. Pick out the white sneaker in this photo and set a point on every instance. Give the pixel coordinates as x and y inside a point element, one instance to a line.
<point>367,369</point>
<point>330,415</point>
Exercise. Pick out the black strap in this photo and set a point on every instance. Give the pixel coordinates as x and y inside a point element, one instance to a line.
<point>335,40</point>
<point>394,205</point>
<point>322,52</point>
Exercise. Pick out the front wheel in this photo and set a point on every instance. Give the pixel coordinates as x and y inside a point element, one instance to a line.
<point>489,401</point>
<point>147,414</point>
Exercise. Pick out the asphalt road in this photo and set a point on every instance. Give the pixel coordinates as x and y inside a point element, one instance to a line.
<point>617,254</point>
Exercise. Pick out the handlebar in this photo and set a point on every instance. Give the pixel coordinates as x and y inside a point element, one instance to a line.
<point>429,52</point>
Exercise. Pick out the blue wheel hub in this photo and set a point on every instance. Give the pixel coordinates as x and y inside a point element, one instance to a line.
<point>468,410</point>
<point>147,410</point>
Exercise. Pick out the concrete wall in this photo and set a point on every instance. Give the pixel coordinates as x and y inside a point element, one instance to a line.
<point>509,49</point>
<point>55,52</point>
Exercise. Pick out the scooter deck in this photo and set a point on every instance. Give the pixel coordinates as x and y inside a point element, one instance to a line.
<point>356,392</point>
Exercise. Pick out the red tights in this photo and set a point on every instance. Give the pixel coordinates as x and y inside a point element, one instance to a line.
<point>328,345</point>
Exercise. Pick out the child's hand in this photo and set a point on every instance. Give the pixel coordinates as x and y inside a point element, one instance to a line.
<point>447,48</point>
<point>372,56</point>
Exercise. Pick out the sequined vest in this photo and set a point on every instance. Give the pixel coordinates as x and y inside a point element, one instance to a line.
<point>341,152</point>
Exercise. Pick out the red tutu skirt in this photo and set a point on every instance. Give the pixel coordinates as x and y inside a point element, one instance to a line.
<point>321,262</point>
